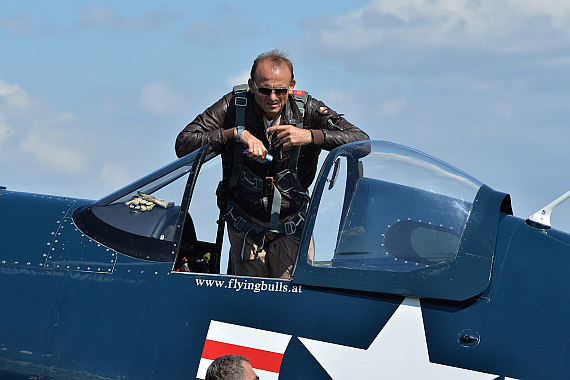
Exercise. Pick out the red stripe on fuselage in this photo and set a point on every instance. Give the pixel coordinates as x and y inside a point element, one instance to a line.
<point>260,359</point>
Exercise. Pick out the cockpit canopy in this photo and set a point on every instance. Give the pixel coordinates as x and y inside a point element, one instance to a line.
<point>401,209</point>
<point>388,218</point>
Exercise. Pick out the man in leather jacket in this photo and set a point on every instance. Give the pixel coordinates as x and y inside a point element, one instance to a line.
<point>273,125</point>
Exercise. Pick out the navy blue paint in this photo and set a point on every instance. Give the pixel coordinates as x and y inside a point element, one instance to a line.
<point>87,321</point>
<point>521,317</point>
<point>298,362</point>
<point>30,222</point>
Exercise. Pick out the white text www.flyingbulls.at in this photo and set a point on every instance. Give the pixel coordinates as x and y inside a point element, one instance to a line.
<point>256,287</point>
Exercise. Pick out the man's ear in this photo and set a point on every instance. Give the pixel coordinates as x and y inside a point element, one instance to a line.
<point>250,84</point>
<point>292,86</point>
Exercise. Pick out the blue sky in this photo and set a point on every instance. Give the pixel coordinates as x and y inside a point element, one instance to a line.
<point>93,94</point>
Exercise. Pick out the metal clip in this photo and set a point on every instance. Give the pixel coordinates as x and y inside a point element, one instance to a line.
<point>255,183</point>
<point>239,222</point>
<point>290,228</point>
<point>258,184</point>
<point>240,102</point>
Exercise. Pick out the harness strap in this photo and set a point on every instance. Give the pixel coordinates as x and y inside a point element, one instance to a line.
<point>239,221</point>
<point>245,177</point>
<point>275,210</point>
<point>240,101</point>
<point>241,224</point>
<point>300,98</point>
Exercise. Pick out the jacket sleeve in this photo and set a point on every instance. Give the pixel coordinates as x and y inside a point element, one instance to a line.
<point>328,128</point>
<point>211,126</point>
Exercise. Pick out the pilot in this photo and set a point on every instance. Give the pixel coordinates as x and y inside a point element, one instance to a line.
<point>270,136</point>
<point>231,367</point>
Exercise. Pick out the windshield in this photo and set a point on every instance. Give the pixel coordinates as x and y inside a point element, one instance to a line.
<point>151,206</point>
<point>150,219</point>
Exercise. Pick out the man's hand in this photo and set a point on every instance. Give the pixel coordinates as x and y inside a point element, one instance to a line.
<point>255,148</point>
<point>289,135</point>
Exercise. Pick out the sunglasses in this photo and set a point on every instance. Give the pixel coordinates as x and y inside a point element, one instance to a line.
<point>266,91</point>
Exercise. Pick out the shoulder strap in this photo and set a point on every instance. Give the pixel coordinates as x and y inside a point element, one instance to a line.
<point>240,100</point>
<point>244,87</point>
<point>300,98</point>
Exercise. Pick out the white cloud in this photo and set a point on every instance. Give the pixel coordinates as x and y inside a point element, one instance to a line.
<point>108,17</point>
<point>5,131</point>
<point>21,25</point>
<point>39,132</point>
<point>160,97</point>
<point>16,25</point>
<point>458,24</point>
<point>14,99</point>
<point>52,155</point>
<point>114,175</point>
<point>239,79</point>
<point>224,21</point>
<point>393,107</point>
<point>556,11</point>
<point>100,16</point>
<point>557,62</point>
<point>335,97</point>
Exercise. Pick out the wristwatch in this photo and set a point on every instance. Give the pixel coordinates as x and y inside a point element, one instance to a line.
<point>240,129</point>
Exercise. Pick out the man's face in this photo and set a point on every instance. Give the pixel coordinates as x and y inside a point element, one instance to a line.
<point>249,370</point>
<point>269,76</point>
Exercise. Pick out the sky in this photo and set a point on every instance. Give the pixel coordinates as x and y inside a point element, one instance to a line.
<point>93,93</point>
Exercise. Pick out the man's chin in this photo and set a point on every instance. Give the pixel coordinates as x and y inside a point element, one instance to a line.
<point>272,111</point>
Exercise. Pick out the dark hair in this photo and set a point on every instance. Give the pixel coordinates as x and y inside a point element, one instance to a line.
<point>278,58</point>
<point>228,367</point>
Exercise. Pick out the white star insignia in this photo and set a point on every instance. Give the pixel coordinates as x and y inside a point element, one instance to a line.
<point>398,352</point>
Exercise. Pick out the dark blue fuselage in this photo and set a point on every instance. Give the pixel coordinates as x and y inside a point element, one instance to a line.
<point>73,308</point>
<point>417,266</point>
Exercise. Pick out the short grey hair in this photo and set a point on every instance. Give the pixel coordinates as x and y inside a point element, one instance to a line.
<point>228,367</point>
<point>277,57</point>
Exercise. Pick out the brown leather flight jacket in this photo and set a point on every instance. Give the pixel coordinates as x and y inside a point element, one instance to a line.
<point>215,126</point>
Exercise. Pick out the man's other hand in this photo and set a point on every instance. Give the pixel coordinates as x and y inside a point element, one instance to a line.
<point>290,135</point>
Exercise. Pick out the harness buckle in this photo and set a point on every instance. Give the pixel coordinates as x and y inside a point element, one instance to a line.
<point>255,183</point>
<point>240,102</point>
<point>290,227</point>
<point>268,186</point>
<point>239,222</point>
<point>258,184</point>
